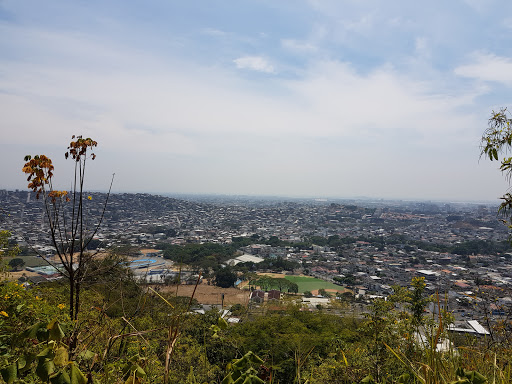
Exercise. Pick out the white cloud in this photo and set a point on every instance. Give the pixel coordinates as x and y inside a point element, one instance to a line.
<point>488,67</point>
<point>182,124</point>
<point>178,101</point>
<point>301,47</point>
<point>179,107</point>
<point>254,63</point>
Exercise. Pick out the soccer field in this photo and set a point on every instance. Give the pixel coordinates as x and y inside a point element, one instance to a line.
<point>306,283</point>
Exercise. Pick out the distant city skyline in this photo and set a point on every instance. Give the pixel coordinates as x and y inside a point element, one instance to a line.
<point>316,98</point>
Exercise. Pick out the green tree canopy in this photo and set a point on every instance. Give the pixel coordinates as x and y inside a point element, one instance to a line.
<point>16,264</point>
<point>497,140</point>
<point>225,277</point>
<point>6,249</point>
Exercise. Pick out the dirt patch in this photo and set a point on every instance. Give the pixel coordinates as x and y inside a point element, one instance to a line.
<point>149,250</point>
<point>274,275</point>
<point>333,292</point>
<point>210,294</point>
<point>14,276</point>
<point>278,275</point>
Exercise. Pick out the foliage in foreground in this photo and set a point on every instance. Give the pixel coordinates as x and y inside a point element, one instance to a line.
<point>128,333</point>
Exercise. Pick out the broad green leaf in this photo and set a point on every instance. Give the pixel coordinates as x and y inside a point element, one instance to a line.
<point>61,378</point>
<point>31,332</point>
<point>139,372</point>
<point>24,362</point>
<point>77,377</point>
<point>56,332</point>
<point>45,368</point>
<point>10,373</point>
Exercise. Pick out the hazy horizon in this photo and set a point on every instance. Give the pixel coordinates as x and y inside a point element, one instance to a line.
<point>306,98</point>
<point>376,199</point>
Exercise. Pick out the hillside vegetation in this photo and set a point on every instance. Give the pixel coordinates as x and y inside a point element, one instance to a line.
<point>134,334</point>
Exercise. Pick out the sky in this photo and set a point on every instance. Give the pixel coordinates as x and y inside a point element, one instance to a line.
<point>318,98</point>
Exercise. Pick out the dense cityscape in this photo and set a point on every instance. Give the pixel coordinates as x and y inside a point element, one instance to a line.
<point>365,246</point>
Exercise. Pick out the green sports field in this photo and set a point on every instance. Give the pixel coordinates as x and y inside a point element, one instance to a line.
<point>33,261</point>
<point>306,283</point>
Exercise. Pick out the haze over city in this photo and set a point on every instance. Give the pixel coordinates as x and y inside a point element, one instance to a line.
<point>289,98</point>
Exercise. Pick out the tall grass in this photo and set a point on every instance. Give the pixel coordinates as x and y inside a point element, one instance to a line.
<point>472,364</point>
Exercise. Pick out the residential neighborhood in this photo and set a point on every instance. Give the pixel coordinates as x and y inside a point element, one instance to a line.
<point>460,249</point>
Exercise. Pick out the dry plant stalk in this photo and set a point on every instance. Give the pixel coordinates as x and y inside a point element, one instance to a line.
<point>174,332</point>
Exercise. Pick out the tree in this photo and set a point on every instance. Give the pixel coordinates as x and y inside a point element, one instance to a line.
<point>6,250</point>
<point>71,229</point>
<point>16,263</point>
<point>281,283</point>
<point>496,140</point>
<point>293,287</point>
<point>417,300</point>
<point>225,277</point>
<point>265,282</point>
